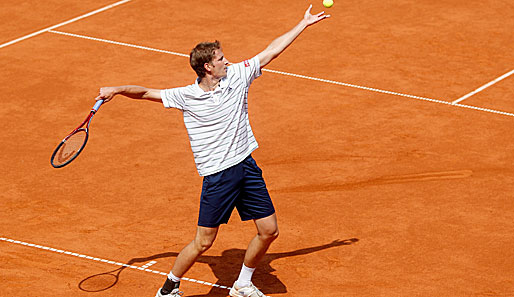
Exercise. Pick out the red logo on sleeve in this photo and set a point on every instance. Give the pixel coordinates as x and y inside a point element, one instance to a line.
<point>247,63</point>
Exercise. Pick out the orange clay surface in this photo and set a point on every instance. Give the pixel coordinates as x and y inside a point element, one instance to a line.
<point>376,194</point>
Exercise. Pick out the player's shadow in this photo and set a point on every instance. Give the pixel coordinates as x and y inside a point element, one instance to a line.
<point>225,268</point>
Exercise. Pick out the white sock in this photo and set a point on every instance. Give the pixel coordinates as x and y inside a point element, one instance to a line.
<point>173,278</point>
<point>245,277</point>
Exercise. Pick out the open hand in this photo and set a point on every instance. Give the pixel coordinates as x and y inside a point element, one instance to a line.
<point>312,19</point>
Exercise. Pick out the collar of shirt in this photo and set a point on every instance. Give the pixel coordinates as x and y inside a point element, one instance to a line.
<point>202,94</point>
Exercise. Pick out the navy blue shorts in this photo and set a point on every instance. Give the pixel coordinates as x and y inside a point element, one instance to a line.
<point>240,186</point>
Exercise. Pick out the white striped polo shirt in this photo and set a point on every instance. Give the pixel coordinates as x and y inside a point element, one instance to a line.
<point>217,121</point>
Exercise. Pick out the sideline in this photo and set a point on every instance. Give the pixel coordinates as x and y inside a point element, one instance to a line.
<point>64,23</point>
<point>487,85</point>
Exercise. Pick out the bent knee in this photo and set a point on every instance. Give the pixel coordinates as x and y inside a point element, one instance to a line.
<point>203,245</point>
<point>269,234</point>
<point>204,238</point>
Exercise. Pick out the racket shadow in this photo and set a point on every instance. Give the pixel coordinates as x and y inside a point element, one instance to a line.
<point>103,281</point>
<point>224,267</point>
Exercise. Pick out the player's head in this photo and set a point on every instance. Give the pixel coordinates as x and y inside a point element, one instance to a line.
<point>208,57</point>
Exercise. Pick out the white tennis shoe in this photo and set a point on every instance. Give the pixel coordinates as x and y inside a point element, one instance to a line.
<point>174,293</point>
<point>249,291</point>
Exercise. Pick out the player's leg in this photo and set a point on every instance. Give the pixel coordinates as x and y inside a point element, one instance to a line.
<point>204,239</point>
<point>267,232</point>
<point>255,203</point>
<point>219,195</point>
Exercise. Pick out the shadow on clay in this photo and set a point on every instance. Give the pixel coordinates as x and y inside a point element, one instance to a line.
<point>225,268</point>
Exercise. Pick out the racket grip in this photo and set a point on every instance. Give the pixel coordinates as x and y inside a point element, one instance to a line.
<point>97,105</point>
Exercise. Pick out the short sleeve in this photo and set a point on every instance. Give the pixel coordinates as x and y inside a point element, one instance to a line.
<point>248,70</point>
<point>173,98</point>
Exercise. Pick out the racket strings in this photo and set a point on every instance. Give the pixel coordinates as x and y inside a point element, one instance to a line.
<point>70,148</point>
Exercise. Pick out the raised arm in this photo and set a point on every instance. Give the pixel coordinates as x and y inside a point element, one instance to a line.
<point>134,92</point>
<point>281,43</point>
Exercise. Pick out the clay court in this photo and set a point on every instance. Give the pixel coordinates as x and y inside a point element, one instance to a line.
<point>385,138</point>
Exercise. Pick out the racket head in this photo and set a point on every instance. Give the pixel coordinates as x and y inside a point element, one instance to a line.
<point>69,148</point>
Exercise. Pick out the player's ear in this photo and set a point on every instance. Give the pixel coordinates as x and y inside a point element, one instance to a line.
<point>207,67</point>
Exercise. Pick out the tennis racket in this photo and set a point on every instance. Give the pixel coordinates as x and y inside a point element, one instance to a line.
<point>73,144</point>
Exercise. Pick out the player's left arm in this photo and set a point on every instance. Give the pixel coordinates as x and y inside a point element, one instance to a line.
<point>278,45</point>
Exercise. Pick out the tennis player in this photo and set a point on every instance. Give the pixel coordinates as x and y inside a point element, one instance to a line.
<point>216,118</point>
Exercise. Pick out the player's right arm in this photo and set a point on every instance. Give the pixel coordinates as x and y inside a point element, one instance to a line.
<point>134,92</point>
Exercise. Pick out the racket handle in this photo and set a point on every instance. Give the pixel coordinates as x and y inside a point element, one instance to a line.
<point>97,105</point>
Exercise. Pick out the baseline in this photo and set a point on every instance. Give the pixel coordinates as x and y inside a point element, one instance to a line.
<point>83,256</point>
<point>298,75</point>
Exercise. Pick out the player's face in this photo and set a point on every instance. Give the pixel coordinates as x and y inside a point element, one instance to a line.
<point>219,64</point>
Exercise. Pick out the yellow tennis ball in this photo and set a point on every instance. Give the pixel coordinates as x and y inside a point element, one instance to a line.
<point>328,3</point>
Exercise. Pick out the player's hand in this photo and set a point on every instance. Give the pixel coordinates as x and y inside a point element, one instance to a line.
<point>106,94</point>
<point>312,19</point>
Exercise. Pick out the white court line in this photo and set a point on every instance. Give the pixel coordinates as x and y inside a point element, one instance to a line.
<point>64,23</point>
<point>118,43</point>
<point>59,251</point>
<point>267,70</point>
<point>148,264</point>
<point>297,75</point>
<point>484,87</point>
<point>356,86</point>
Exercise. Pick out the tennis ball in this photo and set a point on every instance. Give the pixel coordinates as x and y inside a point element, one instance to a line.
<point>328,3</point>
